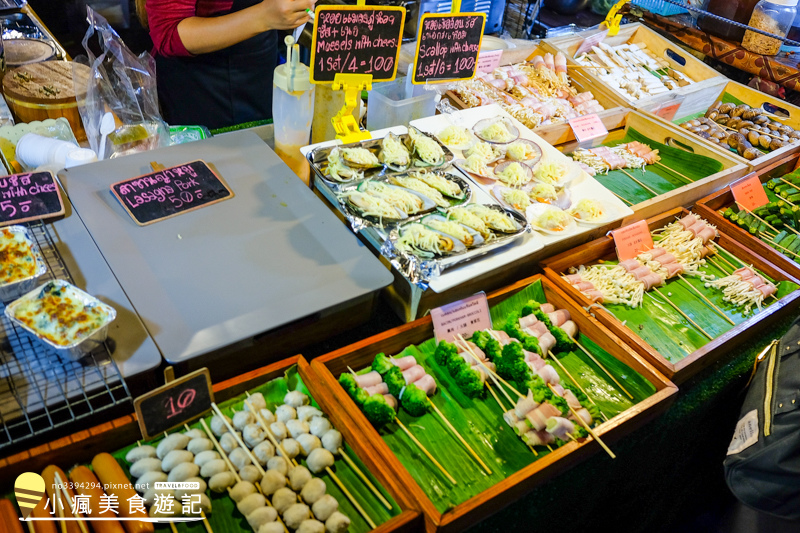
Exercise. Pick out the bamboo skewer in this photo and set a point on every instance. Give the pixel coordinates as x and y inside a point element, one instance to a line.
<point>75,513</point>
<point>620,197</point>
<point>588,428</point>
<point>789,183</point>
<point>679,310</point>
<point>206,523</point>
<point>642,185</point>
<point>460,438</point>
<point>236,476</point>
<point>764,221</point>
<point>688,179</point>
<point>785,250</point>
<point>419,444</point>
<point>350,497</point>
<point>706,300</point>
<point>426,452</point>
<point>365,479</point>
<point>239,439</point>
<point>587,352</point>
<point>564,369</point>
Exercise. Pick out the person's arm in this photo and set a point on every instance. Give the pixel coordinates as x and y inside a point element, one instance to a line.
<point>177,31</point>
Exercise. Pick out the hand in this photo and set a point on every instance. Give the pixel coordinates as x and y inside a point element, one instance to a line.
<point>285,14</point>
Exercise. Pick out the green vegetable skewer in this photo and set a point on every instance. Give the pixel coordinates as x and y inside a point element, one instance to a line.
<point>564,369</point>
<point>587,427</point>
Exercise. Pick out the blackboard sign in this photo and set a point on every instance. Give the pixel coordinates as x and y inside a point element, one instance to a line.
<point>170,192</point>
<point>356,40</point>
<point>29,196</point>
<point>174,404</point>
<point>448,47</point>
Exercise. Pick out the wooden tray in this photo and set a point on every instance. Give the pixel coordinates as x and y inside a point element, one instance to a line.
<point>603,248</point>
<point>468,513</point>
<point>659,130</point>
<point>690,98</point>
<point>80,447</point>
<point>710,207</point>
<point>561,133</point>
<point>753,98</point>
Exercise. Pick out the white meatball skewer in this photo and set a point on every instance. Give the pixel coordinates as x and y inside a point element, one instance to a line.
<point>248,506</point>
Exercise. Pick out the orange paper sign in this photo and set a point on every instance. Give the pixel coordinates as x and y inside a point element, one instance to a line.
<point>668,112</point>
<point>587,127</point>
<point>749,193</point>
<point>632,240</point>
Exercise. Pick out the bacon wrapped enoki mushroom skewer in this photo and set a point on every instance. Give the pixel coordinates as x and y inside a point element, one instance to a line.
<point>744,288</point>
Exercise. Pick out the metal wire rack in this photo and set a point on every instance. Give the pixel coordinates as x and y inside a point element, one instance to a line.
<point>40,390</point>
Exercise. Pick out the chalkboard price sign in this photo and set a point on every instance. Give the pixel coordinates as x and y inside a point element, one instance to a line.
<point>29,196</point>
<point>170,192</point>
<point>175,403</point>
<point>448,47</point>
<point>356,40</point>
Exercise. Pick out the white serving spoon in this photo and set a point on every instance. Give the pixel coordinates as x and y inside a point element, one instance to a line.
<point>107,126</point>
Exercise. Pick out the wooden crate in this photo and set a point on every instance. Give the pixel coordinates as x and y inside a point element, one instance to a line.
<point>710,207</point>
<point>604,248</point>
<point>82,446</point>
<point>561,133</point>
<point>690,98</point>
<point>658,130</point>
<point>488,502</point>
<point>753,98</point>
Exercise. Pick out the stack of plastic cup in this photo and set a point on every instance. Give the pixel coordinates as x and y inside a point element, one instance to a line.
<point>36,150</point>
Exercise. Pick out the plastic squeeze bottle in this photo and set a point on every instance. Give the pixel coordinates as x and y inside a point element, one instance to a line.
<point>292,110</point>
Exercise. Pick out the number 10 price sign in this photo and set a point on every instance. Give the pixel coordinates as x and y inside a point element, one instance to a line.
<point>175,403</point>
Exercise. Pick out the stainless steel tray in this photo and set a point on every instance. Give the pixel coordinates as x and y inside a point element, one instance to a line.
<point>318,159</point>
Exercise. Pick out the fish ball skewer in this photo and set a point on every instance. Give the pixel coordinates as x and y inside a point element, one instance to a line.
<point>250,473</point>
<point>295,399</point>
<point>140,452</point>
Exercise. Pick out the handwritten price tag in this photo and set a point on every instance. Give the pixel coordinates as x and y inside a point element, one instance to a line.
<point>488,61</point>
<point>749,193</point>
<point>29,196</point>
<point>588,127</point>
<point>447,47</point>
<point>589,42</point>
<point>668,112</point>
<point>175,403</point>
<point>463,317</point>
<point>632,240</point>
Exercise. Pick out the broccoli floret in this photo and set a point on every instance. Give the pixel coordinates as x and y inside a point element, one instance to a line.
<point>394,380</point>
<point>563,341</point>
<point>512,326</point>
<point>469,381</point>
<point>444,352</point>
<point>513,351</point>
<point>493,350</point>
<point>361,396</point>
<point>560,404</point>
<point>593,410</point>
<point>531,344</point>
<point>530,307</point>
<point>519,371</point>
<point>558,443</point>
<point>378,411</point>
<point>580,432</point>
<point>381,364</point>
<point>480,338</point>
<point>541,394</point>
<point>348,383</point>
<point>414,400</point>
<point>456,364</point>
<point>542,316</point>
<point>513,365</point>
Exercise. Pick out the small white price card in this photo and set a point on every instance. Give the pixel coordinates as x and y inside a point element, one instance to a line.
<point>463,317</point>
<point>488,61</point>
<point>632,240</point>
<point>588,127</point>
<point>749,193</point>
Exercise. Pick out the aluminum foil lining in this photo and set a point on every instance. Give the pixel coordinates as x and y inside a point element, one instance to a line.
<point>416,270</point>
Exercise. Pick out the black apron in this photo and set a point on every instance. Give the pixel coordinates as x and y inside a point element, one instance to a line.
<point>223,88</point>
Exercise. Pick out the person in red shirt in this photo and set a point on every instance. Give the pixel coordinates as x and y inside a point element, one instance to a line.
<point>215,58</point>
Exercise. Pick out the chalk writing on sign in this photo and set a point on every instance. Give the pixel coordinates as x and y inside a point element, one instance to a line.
<point>30,196</point>
<point>356,40</point>
<point>448,47</point>
<point>170,192</point>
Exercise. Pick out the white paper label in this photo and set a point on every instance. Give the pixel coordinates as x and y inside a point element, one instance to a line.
<point>745,434</point>
<point>463,317</point>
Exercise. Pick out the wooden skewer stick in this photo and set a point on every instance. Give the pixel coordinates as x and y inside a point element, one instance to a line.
<point>684,315</point>
<point>172,527</point>
<point>350,497</point>
<point>418,443</point>
<point>491,373</point>
<point>790,184</point>
<point>706,300</point>
<point>642,185</point>
<point>760,132</point>
<point>206,523</point>
<point>238,439</point>
<point>564,369</point>
<point>365,479</point>
<point>460,438</point>
<point>687,178</point>
<point>236,476</point>
<point>587,352</point>
<point>63,488</point>
<point>620,197</point>
<point>588,428</point>
<point>785,250</point>
<point>426,452</point>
